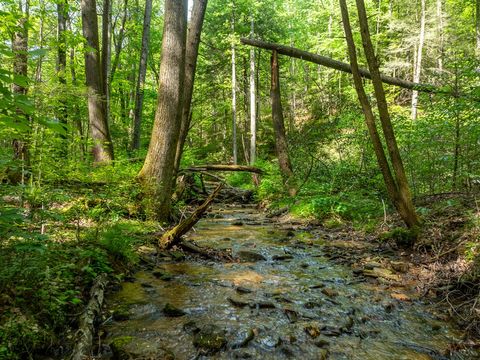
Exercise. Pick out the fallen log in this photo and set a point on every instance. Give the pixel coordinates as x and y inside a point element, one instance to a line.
<point>341,66</point>
<point>86,330</point>
<point>173,236</point>
<point>224,167</point>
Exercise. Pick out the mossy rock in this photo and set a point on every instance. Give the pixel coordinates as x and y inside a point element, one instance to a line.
<point>121,313</point>
<point>118,346</point>
<point>404,238</point>
<point>210,338</point>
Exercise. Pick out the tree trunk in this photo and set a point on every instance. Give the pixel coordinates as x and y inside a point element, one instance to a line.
<point>62,60</point>
<point>418,62</point>
<point>406,208</point>
<point>193,41</point>
<point>142,71</point>
<point>367,111</point>
<point>253,103</point>
<point>158,170</point>
<point>281,145</point>
<point>440,35</point>
<point>20,68</point>
<point>102,143</point>
<point>477,26</point>
<point>234,100</point>
<point>341,66</point>
<point>119,42</point>
<point>105,59</point>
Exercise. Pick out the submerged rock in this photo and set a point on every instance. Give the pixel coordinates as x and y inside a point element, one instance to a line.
<point>312,329</point>
<point>172,311</point>
<point>129,347</point>
<point>163,275</point>
<point>282,257</point>
<point>237,301</point>
<point>242,338</point>
<point>210,338</point>
<point>243,290</point>
<point>248,255</point>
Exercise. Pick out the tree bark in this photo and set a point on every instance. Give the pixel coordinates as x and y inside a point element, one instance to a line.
<point>477,26</point>
<point>102,143</point>
<point>418,62</point>
<point>234,99</point>
<point>142,71</point>
<point>173,236</point>
<point>390,184</point>
<point>20,69</point>
<point>405,206</point>
<point>119,42</point>
<point>105,56</point>
<point>158,170</point>
<point>193,41</point>
<point>220,167</point>
<point>281,145</point>
<point>341,66</point>
<point>253,103</point>
<point>62,60</point>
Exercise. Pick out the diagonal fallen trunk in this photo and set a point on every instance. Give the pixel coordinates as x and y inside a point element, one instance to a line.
<point>83,346</point>
<point>173,236</point>
<point>226,167</point>
<point>341,66</point>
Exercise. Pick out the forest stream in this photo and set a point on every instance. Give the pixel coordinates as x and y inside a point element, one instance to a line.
<point>285,300</point>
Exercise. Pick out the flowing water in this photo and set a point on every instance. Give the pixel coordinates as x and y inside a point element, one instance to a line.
<point>295,304</point>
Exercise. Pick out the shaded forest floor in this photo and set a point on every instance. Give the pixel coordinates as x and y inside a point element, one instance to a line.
<point>56,239</point>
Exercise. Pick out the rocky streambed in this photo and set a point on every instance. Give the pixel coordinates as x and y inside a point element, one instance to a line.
<point>292,295</point>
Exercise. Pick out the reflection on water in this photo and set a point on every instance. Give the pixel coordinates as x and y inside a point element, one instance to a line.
<point>297,306</point>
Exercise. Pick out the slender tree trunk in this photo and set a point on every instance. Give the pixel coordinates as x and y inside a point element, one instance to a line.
<point>281,145</point>
<point>477,26</point>
<point>102,143</point>
<point>193,42</point>
<point>367,110</point>
<point>105,58</point>
<point>158,170</point>
<point>253,103</point>
<point>142,71</point>
<point>406,208</point>
<point>62,60</point>
<point>418,62</point>
<point>119,42</point>
<point>20,68</point>
<point>234,99</point>
<point>440,34</point>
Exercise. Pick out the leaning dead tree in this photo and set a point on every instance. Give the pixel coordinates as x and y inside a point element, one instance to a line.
<point>341,66</point>
<point>174,236</point>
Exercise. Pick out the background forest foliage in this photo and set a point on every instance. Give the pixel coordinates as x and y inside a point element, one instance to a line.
<point>63,221</point>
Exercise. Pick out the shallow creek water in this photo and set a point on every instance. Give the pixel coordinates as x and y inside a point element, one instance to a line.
<point>300,305</point>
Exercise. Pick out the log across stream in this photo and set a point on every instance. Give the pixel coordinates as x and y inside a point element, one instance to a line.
<point>286,299</point>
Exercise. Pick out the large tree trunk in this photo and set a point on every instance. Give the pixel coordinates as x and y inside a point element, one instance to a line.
<point>193,42</point>
<point>234,99</point>
<point>341,66</point>
<point>418,62</point>
<point>253,103</point>
<point>102,143</point>
<point>62,60</point>
<point>367,111</point>
<point>158,170</point>
<point>142,71</point>
<point>281,145</point>
<point>405,208</point>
